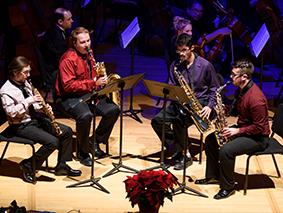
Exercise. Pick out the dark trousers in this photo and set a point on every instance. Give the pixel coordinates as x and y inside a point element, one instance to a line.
<point>176,125</point>
<point>41,131</point>
<point>83,114</point>
<point>220,162</point>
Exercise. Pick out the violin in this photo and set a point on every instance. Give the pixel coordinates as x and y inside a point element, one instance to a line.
<point>233,23</point>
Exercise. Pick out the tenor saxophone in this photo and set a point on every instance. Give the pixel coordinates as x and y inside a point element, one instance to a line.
<point>220,121</point>
<point>46,111</point>
<point>101,71</point>
<point>204,125</point>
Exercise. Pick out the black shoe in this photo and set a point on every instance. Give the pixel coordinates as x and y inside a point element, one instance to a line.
<point>176,157</point>
<point>85,161</point>
<point>180,165</point>
<point>64,169</point>
<point>95,149</point>
<point>223,193</point>
<point>28,174</point>
<point>207,181</point>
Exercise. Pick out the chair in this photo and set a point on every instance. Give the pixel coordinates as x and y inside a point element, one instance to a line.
<point>274,147</point>
<point>7,136</point>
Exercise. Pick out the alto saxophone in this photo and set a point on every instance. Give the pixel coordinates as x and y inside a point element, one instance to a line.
<point>46,111</point>
<point>101,71</point>
<point>204,125</point>
<point>220,121</point>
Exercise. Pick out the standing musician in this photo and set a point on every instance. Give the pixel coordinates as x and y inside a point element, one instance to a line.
<point>77,76</point>
<point>201,77</point>
<point>54,44</point>
<point>250,135</point>
<point>22,105</point>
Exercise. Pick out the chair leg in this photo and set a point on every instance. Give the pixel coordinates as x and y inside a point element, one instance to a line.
<point>276,166</point>
<point>33,160</point>
<point>247,175</point>
<point>4,152</point>
<point>201,148</point>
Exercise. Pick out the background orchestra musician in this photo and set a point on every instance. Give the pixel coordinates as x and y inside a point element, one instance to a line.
<point>250,135</point>
<point>22,107</point>
<point>76,77</point>
<point>54,44</point>
<point>201,77</point>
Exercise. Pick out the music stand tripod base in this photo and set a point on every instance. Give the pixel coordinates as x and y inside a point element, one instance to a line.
<point>122,84</point>
<point>174,93</point>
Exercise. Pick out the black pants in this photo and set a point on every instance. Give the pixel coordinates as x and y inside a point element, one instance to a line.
<point>176,125</point>
<point>83,114</point>
<point>41,131</point>
<point>220,162</point>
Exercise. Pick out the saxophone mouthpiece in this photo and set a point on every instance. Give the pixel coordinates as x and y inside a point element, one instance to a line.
<point>89,51</point>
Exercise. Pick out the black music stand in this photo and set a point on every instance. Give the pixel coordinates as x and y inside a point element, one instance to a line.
<point>123,84</point>
<point>86,98</point>
<point>127,36</point>
<point>175,93</point>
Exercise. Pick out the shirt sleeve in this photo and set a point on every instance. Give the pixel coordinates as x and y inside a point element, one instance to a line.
<point>69,81</point>
<point>213,83</point>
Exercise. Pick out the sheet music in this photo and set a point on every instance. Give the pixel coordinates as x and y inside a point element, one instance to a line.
<point>259,41</point>
<point>129,33</point>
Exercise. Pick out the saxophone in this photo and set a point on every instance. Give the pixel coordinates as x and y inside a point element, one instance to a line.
<point>204,125</point>
<point>220,121</point>
<point>46,111</point>
<point>101,71</point>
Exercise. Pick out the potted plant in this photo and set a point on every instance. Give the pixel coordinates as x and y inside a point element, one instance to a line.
<point>149,188</point>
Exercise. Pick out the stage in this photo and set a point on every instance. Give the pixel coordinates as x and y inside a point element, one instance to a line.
<point>141,150</point>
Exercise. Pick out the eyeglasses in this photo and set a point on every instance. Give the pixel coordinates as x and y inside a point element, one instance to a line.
<point>232,75</point>
<point>183,50</point>
<point>26,72</point>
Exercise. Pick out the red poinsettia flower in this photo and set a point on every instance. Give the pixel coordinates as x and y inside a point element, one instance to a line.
<point>149,187</point>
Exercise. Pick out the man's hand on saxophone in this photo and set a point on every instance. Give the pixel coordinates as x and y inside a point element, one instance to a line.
<point>101,81</point>
<point>228,132</point>
<point>205,112</point>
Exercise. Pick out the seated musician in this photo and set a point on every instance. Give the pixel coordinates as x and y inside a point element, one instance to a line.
<point>22,106</point>
<point>76,77</point>
<point>250,135</point>
<point>201,77</point>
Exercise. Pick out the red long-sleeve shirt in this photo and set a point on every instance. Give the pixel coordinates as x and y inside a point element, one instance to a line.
<point>73,77</point>
<point>253,113</point>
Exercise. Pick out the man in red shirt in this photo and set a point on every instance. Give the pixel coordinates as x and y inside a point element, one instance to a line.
<point>250,134</point>
<point>76,77</point>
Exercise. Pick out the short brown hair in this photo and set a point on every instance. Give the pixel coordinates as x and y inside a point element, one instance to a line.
<point>246,67</point>
<point>17,64</point>
<point>76,32</point>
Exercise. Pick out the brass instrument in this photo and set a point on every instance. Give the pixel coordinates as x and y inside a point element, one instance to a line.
<point>101,71</point>
<point>220,122</point>
<point>204,125</point>
<point>47,112</point>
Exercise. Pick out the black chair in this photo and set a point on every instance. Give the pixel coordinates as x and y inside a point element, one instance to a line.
<point>274,147</point>
<point>7,136</point>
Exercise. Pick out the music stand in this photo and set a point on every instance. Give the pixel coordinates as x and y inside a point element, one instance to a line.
<point>121,85</point>
<point>175,93</point>
<point>127,36</point>
<point>257,44</point>
<point>91,97</point>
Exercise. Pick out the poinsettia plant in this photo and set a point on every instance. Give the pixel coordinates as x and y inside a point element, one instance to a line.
<point>149,187</point>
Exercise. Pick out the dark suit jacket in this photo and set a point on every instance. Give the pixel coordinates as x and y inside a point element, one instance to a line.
<point>53,46</point>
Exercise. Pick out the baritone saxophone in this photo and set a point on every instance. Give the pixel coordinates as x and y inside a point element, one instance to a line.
<point>204,125</point>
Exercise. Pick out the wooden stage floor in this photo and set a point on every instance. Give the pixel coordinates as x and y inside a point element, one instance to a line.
<point>141,149</point>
